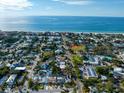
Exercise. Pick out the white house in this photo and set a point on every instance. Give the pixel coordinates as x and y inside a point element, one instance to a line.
<point>91,73</point>
<point>62,65</point>
<point>118,72</point>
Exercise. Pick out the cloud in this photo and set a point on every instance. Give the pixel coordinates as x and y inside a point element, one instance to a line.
<point>15,4</point>
<point>75,2</point>
<point>48,8</point>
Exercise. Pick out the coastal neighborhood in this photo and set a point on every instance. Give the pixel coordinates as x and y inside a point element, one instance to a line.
<point>61,62</point>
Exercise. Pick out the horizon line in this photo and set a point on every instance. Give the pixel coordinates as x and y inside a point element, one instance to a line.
<point>58,16</point>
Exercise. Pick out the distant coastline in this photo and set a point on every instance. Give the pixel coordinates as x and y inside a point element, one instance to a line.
<point>65,32</point>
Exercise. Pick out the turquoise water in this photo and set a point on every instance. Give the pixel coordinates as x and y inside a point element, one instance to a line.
<point>64,24</point>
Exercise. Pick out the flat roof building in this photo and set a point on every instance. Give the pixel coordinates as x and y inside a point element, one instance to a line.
<point>20,68</point>
<point>11,80</point>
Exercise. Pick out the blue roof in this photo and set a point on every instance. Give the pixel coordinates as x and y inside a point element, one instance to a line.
<point>2,80</point>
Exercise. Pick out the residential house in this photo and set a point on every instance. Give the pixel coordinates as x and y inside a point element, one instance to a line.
<point>11,80</point>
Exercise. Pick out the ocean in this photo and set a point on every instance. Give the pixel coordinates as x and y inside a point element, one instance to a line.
<point>63,24</point>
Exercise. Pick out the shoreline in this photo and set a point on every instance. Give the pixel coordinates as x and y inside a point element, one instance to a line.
<point>85,32</point>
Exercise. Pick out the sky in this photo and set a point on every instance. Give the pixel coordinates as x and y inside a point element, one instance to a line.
<point>9,8</point>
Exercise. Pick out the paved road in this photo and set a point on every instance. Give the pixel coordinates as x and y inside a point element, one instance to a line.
<point>78,82</point>
<point>30,74</point>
